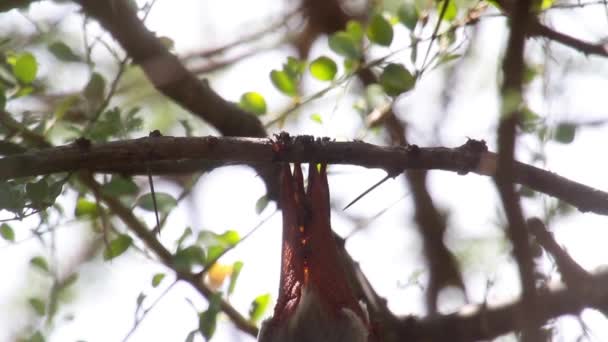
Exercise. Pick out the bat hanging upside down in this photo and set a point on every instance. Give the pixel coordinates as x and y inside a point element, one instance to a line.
<point>315,302</point>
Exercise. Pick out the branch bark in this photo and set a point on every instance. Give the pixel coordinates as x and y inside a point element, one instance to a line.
<point>512,102</point>
<point>172,155</point>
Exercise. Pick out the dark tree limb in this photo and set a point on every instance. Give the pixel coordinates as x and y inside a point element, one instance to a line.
<point>540,30</point>
<point>171,155</point>
<point>572,273</point>
<point>512,100</point>
<point>486,323</point>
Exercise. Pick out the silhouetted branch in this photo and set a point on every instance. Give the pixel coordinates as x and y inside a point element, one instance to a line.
<point>171,155</point>
<point>512,102</point>
<point>486,323</point>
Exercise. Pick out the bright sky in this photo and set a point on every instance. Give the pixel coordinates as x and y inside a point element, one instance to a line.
<point>105,296</point>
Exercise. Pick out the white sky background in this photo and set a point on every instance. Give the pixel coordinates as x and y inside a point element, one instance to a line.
<point>389,250</point>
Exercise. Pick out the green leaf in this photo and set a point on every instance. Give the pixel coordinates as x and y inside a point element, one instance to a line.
<point>12,196</point>
<point>408,15</point>
<point>345,45</point>
<point>189,256</point>
<point>36,337</point>
<point>94,91</point>
<point>261,204</point>
<point>157,279</point>
<point>132,120</point>
<point>7,232</point>
<point>38,305</point>
<point>108,125</point>
<point>86,208</point>
<point>317,118</point>
<point>323,68</point>
<point>119,186</point>
<point>117,246</point>
<point>229,238</point>
<point>40,263</point>
<point>214,252</point>
<point>283,82</point>
<point>258,307</point>
<point>253,102</point>
<point>185,234</point>
<point>236,271</point>
<point>380,30</point>
<point>565,133</point>
<point>208,319</point>
<point>164,201</point>
<point>450,12</point>
<point>294,68</point>
<point>63,52</point>
<point>354,29</point>
<point>38,192</point>
<point>25,67</point>
<point>396,79</point>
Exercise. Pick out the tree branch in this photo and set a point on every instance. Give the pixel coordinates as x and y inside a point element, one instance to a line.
<point>512,100</point>
<point>485,323</point>
<point>171,155</point>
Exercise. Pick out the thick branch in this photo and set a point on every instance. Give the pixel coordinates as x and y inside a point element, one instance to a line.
<point>488,323</point>
<point>170,155</point>
<point>512,98</point>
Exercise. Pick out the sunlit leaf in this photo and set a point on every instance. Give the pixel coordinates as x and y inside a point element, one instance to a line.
<point>229,238</point>
<point>117,246</point>
<point>157,279</point>
<point>253,102</point>
<point>450,12</point>
<point>40,263</point>
<point>316,118</point>
<point>323,68</point>
<point>345,45</point>
<point>354,29</point>
<point>25,67</point>
<point>380,30</point>
<point>283,82</point>
<point>86,208</point>
<point>7,232</point>
<point>236,271</point>
<point>258,307</point>
<point>396,79</point>
<point>63,52</point>
<point>164,202</point>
